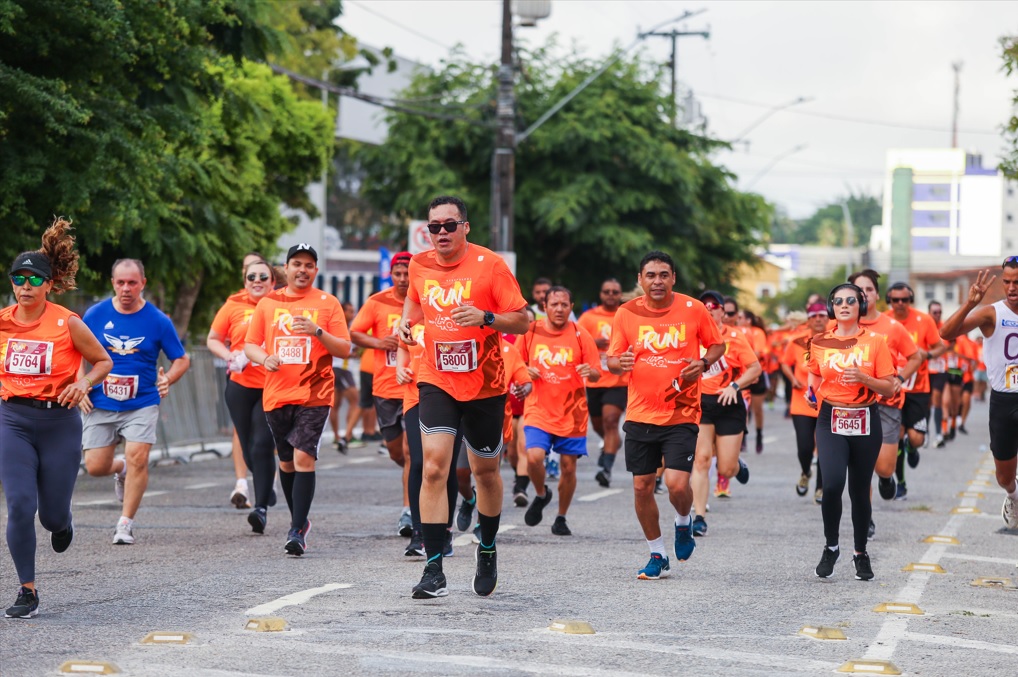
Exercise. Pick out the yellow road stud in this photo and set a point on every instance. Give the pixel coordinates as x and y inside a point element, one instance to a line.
<point>265,624</point>
<point>572,627</point>
<point>822,632</point>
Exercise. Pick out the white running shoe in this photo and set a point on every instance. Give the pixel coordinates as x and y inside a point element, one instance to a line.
<point>1009,511</point>
<point>124,535</point>
<point>119,478</point>
<point>239,496</point>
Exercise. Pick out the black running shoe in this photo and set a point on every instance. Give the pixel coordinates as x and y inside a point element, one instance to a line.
<point>416,546</point>
<point>520,498</point>
<point>743,474</point>
<point>827,560</point>
<point>886,487</point>
<point>962,430</point>
<point>902,492</point>
<point>699,526</point>
<point>560,528</point>
<point>25,606</point>
<point>486,573</point>
<point>61,540</point>
<point>604,478</point>
<point>257,519</point>
<point>296,540</point>
<point>911,454</point>
<point>536,510</point>
<point>432,583</point>
<point>871,530</point>
<point>464,516</point>
<point>659,486</point>
<point>447,548</point>
<point>863,570</point>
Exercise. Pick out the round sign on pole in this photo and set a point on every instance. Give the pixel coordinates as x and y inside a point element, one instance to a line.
<point>419,239</point>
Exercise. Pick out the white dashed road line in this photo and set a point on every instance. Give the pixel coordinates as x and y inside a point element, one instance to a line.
<point>294,599</point>
<point>599,495</point>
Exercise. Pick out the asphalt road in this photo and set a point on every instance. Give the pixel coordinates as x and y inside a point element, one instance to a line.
<point>736,608</point>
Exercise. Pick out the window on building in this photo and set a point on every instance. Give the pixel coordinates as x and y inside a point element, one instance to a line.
<point>949,292</point>
<point>929,291</point>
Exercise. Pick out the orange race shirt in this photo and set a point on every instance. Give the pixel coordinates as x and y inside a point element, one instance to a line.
<point>379,316</point>
<point>231,323</point>
<point>923,331</point>
<point>830,355</point>
<point>902,347</point>
<point>969,350</point>
<point>738,357</point>
<point>558,404</point>
<point>367,360</point>
<point>517,373</point>
<point>598,323</point>
<point>664,343</point>
<point>37,360</point>
<point>305,372</point>
<point>795,356</point>
<point>465,362</point>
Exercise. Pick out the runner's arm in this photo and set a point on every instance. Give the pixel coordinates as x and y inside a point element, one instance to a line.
<point>984,318</point>
<point>750,376</point>
<point>177,368</point>
<point>912,365</point>
<point>214,342</point>
<point>412,314</point>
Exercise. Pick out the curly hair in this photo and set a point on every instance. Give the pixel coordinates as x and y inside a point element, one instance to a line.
<point>58,247</point>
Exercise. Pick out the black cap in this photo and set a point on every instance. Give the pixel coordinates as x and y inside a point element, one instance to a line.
<point>34,262</point>
<point>714,296</point>
<point>302,247</point>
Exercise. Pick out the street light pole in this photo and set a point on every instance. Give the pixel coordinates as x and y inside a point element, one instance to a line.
<point>675,35</point>
<point>504,160</point>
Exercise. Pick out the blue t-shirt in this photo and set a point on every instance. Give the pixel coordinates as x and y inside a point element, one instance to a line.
<point>133,341</point>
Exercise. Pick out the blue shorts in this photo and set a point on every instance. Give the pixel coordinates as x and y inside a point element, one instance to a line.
<point>570,446</point>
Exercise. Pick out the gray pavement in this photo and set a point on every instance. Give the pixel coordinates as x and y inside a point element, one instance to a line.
<point>736,608</point>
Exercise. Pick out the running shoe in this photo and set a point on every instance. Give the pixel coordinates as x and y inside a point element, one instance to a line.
<point>551,468</point>
<point>818,496</point>
<point>604,477</point>
<point>1009,511</point>
<point>940,442</point>
<point>659,485</point>
<point>405,526</point>
<point>536,510</point>
<point>272,497</point>
<point>296,540</point>
<point>520,498</point>
<point>354,443</point>
<point>699,526</point>
<point>477,533</point>
<point>901,493</point>
<point>962,430</point>
<point>239,496</point>
<point>119,478</point>
<point>447,548</point>
<point>486,573</point>
<point>887,488</point>
<point>600,457</point>
<point>415,548</point>
<point>656,568</point>
<point>863,570</point>
<point>802,488</point>
<point>871,530</point>
<point>432,583</point>
<point>372,437</point>
<point>743,474</point>
<point>25,606</point>
<point>341,445</point>
<point>684,543</point>
<point>124,533</point>
<point>721,489</point>
<point>466,513</point>
<point>257,519</point>
<point>61,540</point>
<point>560,528</point>
<point>911,453</point>
<point>827,560</point>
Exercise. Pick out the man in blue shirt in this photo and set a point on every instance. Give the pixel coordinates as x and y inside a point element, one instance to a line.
<point>125,406</point>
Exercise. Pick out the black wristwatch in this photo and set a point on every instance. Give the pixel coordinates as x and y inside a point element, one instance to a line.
<point>318,332</point>
<point>734,385</point>
<point>706,364</point>
<point>489,318</point>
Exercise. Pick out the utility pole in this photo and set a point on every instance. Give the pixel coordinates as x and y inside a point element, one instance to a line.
<point>674,63</point>
<point>954,118</point>
<point>503,162</point>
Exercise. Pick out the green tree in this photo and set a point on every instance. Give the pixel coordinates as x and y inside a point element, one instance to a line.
<point>827,224</point>
<point>802,288</point>
<point>601,183</point>
<point>1009,55</point>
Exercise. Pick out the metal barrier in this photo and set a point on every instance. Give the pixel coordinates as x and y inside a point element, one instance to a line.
<point>194,413</point>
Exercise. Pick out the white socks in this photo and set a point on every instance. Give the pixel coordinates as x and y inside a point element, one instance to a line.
<point>657,545</point>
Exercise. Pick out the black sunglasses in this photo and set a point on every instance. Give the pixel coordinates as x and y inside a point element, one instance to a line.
<point>732,313</point>
<point>898,299</point>
<point>251,277</point>
<point>850,301</point>
<point>1009,259</point>
<point>34,280</point>
<point>450,227</point>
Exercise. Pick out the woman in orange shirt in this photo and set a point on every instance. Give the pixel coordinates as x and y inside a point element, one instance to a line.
<point>41,346</point>
<point>848,367</point>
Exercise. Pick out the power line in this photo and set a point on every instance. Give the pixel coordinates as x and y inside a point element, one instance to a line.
<point>846,118</point>
<point>423,36</point>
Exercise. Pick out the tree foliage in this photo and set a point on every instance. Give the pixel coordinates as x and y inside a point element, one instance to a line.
<point>604,181</point>
<point>802,288</point>
<point>151,125</point>
<point>1009,55</point>
<point>826,226</point>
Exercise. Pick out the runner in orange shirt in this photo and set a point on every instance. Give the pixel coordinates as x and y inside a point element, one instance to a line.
<point>850,367</point>
<point>804,417</point>
<point>755,333</point>
<point>562,358</point>
<point>304,328</point>
<point>374,329</point>
<point>969,350</point>
<point>465,295</point>
<point>657,338</point>
<point>723,420</point>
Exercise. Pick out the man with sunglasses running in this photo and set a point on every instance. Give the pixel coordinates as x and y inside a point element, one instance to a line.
<point>466,297</point>
<point>998,323</point>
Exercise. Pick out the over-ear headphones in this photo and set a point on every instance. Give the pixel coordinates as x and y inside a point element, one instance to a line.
<point>897,286</point>
<point>863,305</point>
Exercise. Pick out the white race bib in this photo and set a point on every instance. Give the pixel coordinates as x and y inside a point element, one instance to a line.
<point>456,355</point>
<point>293,349</point>
<point>910,383</point>
<point>1011,377</point>
<point>604,362</point>
<point>390,358</point>
<point>120,388</point>
<point>850,421</point>
<point>31,358</point>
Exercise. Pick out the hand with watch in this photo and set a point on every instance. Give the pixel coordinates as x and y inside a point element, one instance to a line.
<point>472,316</point>
<point>729,394</point>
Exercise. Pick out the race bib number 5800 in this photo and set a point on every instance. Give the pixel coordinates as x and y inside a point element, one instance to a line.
<point>32,358</point>
<point>456,355</point>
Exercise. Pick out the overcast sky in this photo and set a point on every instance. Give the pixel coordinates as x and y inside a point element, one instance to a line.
<point>888,62</point>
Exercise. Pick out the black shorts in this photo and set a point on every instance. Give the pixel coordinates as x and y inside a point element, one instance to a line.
<point>366,400</point>
<point>479,420</point>
<point>1003,424</point>
<point>390,417</point>
<point>761,385</point>
<point>344,378</point>
<point>938,381</point>
<point>954,379</point>
<point>968,387</point>
<point>727,419</point>
<point>915,411</point>
<point>297,427</point>
<point>598,397</point>
<point>648,444</point>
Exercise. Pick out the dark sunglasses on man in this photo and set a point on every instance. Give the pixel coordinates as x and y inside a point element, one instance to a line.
<point>450,226</point>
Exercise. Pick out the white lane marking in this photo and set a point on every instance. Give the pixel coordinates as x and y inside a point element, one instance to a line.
<point>598,495</point>
<point>328,466</point>
<point>294,599</point>
<point>86,503</point>
<point>467,539</point>
<point>355,461</point>
<point>979,558</point>
<point>947,640</point>
<point>207,485</point>
<point>155,493</point>
<point>770,440</point>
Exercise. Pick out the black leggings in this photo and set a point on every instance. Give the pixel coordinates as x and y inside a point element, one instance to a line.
<point>245,405</point>
<point>857,455</point>
<point>805,440</point>
<point>412,419</point>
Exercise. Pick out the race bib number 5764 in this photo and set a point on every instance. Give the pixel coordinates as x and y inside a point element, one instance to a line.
<point>32,358</point>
